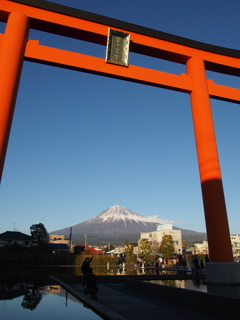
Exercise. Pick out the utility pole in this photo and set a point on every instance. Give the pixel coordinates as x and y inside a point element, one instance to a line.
<point>70,240</point>
<point>85,236</point>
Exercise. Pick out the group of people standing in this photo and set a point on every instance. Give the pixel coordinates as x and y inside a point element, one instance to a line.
<point>197,263</point>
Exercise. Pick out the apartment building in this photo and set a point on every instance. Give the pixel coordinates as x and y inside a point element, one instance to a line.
<point>155,237</point>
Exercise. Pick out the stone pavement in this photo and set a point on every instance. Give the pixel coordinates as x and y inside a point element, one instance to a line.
<point>115,302</point>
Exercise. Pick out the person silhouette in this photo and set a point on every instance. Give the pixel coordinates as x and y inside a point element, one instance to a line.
<point>85,269</point>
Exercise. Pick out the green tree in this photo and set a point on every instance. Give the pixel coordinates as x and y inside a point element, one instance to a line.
<point>167,247</point>
<point>39,233</point>
<point>145,249</point>
<point>129,252</point>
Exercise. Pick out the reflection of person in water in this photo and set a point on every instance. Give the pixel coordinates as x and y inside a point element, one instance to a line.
<point>32,298</point>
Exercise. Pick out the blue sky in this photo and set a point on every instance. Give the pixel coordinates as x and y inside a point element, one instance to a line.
<point>81,143</point>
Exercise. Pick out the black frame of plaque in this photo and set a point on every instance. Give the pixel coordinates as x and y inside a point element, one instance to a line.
<point>117,47</point>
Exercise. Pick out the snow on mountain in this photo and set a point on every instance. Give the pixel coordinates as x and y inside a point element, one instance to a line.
<point>119,213</point>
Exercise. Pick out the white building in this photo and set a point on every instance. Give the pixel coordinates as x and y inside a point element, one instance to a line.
<point>202,248</point>
<point>155,237</point>
<point>117,250</point>
<point>235,240</point>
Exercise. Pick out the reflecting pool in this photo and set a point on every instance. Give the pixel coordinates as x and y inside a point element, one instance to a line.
<point>33,300</point>
<point>193,284</point>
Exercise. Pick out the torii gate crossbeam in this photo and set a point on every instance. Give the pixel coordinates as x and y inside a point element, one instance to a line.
<point>22,15</point>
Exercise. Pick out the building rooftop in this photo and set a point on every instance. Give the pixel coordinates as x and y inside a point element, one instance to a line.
<point>14,235</point>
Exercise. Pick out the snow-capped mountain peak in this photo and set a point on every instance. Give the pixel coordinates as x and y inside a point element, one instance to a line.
<point>116,213</point>
<point>119,213</point>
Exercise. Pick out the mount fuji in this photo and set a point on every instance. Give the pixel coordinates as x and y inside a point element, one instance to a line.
<point>117,225</point>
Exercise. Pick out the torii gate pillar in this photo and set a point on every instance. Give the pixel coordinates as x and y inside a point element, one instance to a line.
<point>222,269</point>
<point>209,168</point>
<point>11,61</point>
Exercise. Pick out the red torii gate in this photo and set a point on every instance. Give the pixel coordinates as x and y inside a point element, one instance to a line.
<point>15,47</point>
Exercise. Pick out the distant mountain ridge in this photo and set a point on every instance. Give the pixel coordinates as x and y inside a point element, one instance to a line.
<point>117,225</point>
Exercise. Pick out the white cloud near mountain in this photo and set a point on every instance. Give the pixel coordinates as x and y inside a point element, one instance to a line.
<point>157,219</point>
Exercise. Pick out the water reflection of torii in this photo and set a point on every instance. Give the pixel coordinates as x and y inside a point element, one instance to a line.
<point>50,17</point>
<point>66,297</point>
